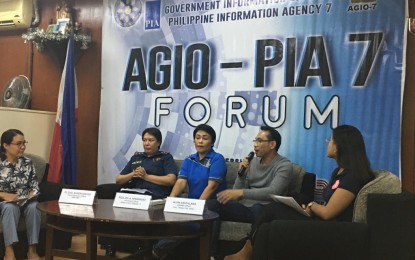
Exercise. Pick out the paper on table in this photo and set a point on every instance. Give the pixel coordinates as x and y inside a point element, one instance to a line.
<point>23,200</point>
<point>136,190</point>
<point>290,201</point>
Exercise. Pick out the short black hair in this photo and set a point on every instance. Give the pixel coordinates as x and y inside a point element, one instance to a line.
<point>273,135</point>
<point>208,129</point>
<point>154,132</point>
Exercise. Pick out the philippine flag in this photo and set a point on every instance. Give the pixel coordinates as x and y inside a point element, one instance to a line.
<point>62,159</point>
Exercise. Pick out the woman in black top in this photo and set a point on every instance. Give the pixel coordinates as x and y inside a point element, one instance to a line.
<point>353,171</point>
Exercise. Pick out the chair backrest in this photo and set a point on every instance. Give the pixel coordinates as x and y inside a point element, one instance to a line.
<point>303,185</point>
<point>384,182</point>
<point>178,163</point>
<point>40,165</point>
<point>297,182</point>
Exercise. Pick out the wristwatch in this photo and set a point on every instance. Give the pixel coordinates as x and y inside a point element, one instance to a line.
<point>310,204</point>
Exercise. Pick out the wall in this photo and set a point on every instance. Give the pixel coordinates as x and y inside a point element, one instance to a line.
<point>15,59</point>
<point>46,73</point>
<point>39,137</point>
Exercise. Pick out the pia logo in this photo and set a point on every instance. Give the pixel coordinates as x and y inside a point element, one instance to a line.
<point>127,12</point>
<point>152,20</point>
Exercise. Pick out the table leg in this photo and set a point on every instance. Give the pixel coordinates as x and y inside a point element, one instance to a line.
<point>204,241</point>
<point>91,243</point>
<point>49,242</point>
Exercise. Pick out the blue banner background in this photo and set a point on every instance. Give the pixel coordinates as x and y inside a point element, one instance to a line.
<point>375,107</point>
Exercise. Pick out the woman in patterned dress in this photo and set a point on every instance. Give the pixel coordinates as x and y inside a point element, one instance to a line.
<point>18,190</point>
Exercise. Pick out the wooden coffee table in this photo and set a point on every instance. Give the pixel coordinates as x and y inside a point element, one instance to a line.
<point>102,219</point>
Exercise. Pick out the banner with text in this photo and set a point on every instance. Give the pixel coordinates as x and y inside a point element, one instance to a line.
<point>300,66</point>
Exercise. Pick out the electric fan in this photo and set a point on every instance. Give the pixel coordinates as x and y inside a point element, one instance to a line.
<point>17,93</point>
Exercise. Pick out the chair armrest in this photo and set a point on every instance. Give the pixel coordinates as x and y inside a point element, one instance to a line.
<point>293,239</point>
<point>392,221</point>
<point>108,190</point>
<point>233,231</point>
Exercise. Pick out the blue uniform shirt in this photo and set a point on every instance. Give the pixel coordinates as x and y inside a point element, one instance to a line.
<point>160,164</point>
<point>199,172</point>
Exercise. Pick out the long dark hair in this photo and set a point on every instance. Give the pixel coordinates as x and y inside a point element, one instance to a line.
<point>7,138</point>
<point>351,152</point>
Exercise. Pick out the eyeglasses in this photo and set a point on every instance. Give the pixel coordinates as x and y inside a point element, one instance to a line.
<point>260,141</point>
<point>20,144</point>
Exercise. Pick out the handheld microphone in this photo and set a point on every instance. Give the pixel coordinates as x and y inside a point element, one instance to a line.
<point>243,169</point>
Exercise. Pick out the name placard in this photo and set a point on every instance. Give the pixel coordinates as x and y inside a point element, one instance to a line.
<point>131,201</point>
<point>78,210</point>
<point>184,205</point>
<point>73,196</point>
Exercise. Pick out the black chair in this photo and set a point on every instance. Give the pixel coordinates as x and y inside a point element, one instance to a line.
<point>383,228</point>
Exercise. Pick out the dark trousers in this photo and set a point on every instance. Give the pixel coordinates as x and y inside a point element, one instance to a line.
<point>273,211</point>
<point>237,212</point>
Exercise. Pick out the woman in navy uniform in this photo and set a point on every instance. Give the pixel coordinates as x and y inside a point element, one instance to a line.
<point>152,169</point>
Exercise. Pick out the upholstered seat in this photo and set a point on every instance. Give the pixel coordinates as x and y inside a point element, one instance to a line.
<point>383,227</point>
<point>384,182</point>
